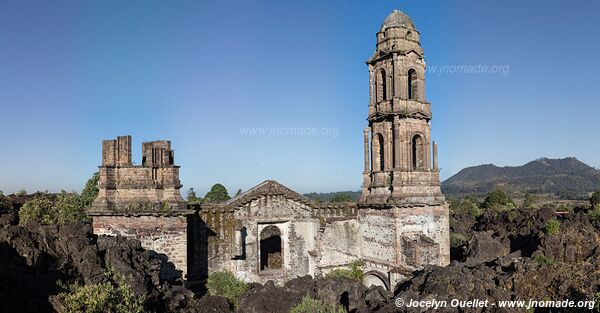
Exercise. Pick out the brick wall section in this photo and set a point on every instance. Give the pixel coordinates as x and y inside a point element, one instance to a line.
<point>163,234</point>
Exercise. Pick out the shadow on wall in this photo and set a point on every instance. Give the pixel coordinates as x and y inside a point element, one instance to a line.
<point>198,234</point>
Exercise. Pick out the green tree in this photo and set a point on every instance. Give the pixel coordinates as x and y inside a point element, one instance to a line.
<point>21,193</point>
<point>191,196</point>
<point>239,192</point>
<point>90,192</point>
<point>498,199</point>
<point>218,193</point>
<point>342,197</point>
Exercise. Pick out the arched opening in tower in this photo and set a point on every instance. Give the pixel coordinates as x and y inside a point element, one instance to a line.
<point>417,152</point>
<point>412,84</point>
<point>377,150</point>
<point>381,86</point>
<point>271,250</point>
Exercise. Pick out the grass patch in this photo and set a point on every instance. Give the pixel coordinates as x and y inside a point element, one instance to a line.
<point>310,305</point>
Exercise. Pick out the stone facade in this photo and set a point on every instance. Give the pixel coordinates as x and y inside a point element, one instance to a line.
<point>270,232</point>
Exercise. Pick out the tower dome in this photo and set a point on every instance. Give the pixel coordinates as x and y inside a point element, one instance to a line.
<point>397,19</point>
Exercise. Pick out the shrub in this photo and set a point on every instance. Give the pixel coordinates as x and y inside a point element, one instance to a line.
<point>457,239</point>
<point>552,227</point>
<point>467,205</point>
<point>529,201</point>
<point>310,305</point>
<point>66,208</point>
<point>6,205</point>
<point>355,272</point>
<point>103,297</point>
<point>594,213</point>
<point>69,208</point>
<point>595,199</point>
<point>543,260</point>
<point>37,208</point>
<point>226,285</point>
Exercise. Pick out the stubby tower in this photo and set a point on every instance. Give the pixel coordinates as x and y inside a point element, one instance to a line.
<point>400,158</point>
<point>142,201</point>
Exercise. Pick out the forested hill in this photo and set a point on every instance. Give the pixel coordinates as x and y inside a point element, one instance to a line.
<point>566,177</point>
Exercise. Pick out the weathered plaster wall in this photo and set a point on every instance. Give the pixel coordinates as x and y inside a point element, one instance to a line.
<point>378,232</point>
<point>339,244</point>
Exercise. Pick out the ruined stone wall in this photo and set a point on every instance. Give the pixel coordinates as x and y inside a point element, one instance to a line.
<point>163,234</point>
<point>338,244</point>
<point>229,239</point>
<point>298,231</point>
<point>431,221</point>
<point>378,232</point>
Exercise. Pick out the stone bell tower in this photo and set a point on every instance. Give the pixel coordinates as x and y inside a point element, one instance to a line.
<point>400,157</point>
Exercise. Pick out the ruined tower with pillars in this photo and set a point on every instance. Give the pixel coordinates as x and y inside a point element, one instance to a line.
<point>401,186</point>
<point>400,157</point>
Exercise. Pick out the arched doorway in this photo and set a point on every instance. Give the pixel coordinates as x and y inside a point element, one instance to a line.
<point>271,249</point>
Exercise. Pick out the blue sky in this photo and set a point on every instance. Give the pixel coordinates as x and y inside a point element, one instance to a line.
<point>201,73</point>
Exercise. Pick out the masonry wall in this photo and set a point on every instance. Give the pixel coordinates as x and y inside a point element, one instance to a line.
<point>163,234</point>
<point>338,244</point>
<point>378,235</point>
<point>431,221</point>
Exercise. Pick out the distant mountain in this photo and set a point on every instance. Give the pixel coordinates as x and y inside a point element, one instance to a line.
<point>567,177</point>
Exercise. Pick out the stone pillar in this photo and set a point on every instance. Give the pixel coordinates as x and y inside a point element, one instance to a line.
<point>394,76</point>
<point>388,147</point>
<point>397,143</point>
<point>371,89</point>
<point>366,139</point>
<point>435,157</point>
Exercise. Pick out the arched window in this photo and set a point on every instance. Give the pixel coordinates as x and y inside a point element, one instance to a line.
<point>381,86</point>
<point>271,251</point>
<point>377,151</point>
<point>417,152</point>
<point>412,84</point>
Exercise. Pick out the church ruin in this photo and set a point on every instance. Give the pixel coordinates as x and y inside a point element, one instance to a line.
<point>271,232</point>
